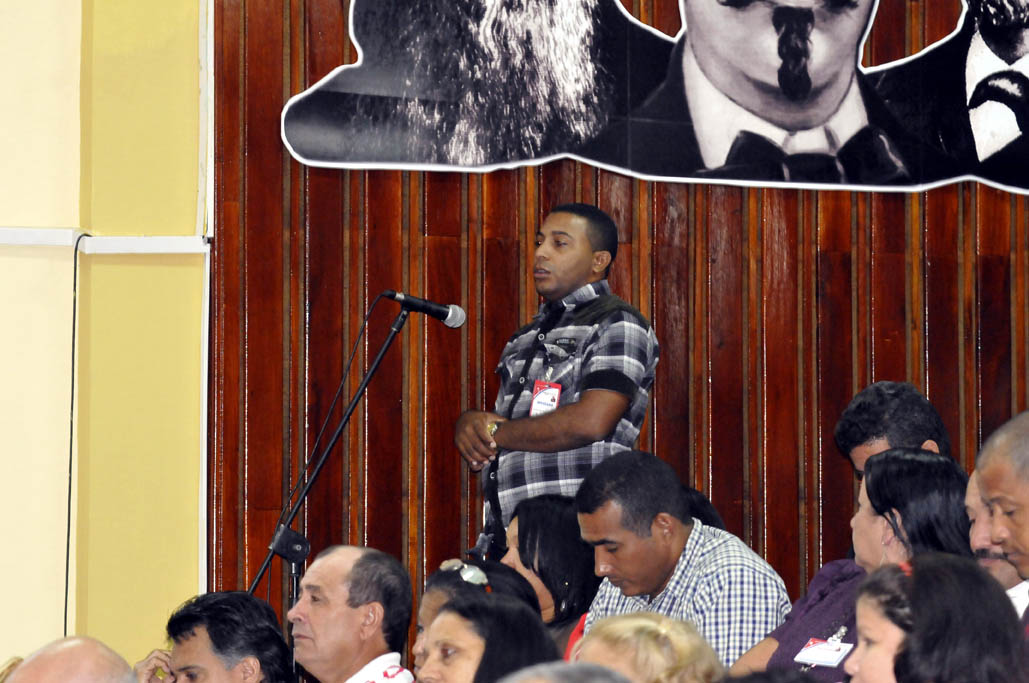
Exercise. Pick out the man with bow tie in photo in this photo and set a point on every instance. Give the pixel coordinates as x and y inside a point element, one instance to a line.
<point>968,95</point>
<point>767,90</point>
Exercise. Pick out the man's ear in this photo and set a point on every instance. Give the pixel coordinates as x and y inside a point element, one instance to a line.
<point>930,445</point>
<point>250,668</point>
<point>663,525</point>
<point>371,619</point>
<point>601,260</point>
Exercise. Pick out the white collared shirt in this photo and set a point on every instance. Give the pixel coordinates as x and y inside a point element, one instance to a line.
<point>717,120</point>
<point>993,124</point>
<point>383,669</point>
<point>1019,597</point>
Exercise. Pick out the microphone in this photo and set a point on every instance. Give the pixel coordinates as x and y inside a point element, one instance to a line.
<point>452,315</point>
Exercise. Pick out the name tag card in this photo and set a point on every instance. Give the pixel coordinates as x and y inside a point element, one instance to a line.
<point>545,397</point>
<point>820,652</point>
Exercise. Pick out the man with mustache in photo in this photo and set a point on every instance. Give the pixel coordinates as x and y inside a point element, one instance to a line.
<point>968,95</point>
<point>766,90</point>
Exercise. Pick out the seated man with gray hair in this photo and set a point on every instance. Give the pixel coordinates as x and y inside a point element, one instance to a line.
<point>351,618</point>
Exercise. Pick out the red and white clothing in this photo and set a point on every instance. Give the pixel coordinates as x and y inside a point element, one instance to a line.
<point>383,669</point>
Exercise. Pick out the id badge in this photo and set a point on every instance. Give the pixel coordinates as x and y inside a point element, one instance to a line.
<point>820,652</point>
<point>545,397</point>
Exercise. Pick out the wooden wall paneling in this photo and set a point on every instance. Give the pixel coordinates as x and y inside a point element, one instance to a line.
<point>691,464</point>
<point>1020,306</point>
<point>225,415</point>
<point>722,456</point>
<point>888,288</point>
<point>834,361</point>
<point>265,275</point>
<point>809,523</point>
<point>994,220</point>
<point>672,218</point>
<point>753,509</point>
<point>380,461</point>
<point>443,274</point>
<point>942,310</point>
<point>966,441</point>
<point>889,39</point>
<point>782,407</point>
<point>473,369</point>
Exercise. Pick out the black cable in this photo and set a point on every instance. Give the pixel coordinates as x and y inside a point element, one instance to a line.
<point>71,423</point>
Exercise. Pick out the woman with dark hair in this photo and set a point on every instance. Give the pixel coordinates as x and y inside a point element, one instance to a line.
<point>937,619</point>
<point>544,546</point>
<point>480,638</point>
<point>457,577</point>
<point>910,501</point>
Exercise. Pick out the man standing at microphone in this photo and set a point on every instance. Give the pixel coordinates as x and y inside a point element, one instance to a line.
<point>574,381</point>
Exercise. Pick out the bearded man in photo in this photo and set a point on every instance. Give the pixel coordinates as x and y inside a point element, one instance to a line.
<point>474,83</point>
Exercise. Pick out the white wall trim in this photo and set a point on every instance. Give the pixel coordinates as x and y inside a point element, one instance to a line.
<point>144,245</point>
<point>38,237</point>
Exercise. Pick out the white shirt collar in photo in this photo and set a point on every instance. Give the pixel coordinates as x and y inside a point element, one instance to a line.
<point>993,124</point>
<point>1019,597</point>
<point>717,120</point>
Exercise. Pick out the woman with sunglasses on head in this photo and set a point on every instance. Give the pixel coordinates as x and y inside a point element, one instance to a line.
<point>910,501</point>
<point>937,619</point>
<point>544,546</point>
<point>457,577</point>
<point>480,638</point>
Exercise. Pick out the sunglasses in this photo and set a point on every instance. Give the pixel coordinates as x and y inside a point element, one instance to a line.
<point>469,572</point>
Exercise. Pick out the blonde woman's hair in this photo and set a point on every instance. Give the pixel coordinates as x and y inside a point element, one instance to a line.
<point>659,649</point>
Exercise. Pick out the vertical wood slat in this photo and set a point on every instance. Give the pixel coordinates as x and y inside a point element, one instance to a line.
<point>772,306</point>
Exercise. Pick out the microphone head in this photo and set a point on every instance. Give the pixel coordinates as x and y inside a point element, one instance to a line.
<point>456,317</point>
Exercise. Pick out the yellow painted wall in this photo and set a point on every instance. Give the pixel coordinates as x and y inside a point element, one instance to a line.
<point>100,127</point>
<point>35,396</point>
<point>140,109</point>
<point>39,188</point>
<point>39,117</point>
<point>141,399</point>
<point>140,412</point>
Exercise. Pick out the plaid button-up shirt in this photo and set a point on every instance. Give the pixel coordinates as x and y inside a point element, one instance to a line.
<point>618,352</point>
<point>724,588</point>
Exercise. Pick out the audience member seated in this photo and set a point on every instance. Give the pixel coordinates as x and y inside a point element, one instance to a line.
<point>221,636</point>
<point>910,501</point>
<point>351,618</point>
<point>544,546</point>
<point>565,672</point>
<point>1003,476</point>
<point>937,619</point>
<point>655,557</point>
<point>887,415</point>
<point>73,660</point>
<point>991,555</point>
<point>481,638</point>
<point>456,577</point>
<point>650,648</point>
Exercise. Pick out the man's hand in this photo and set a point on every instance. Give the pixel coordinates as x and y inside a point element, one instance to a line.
<point>472,438</point>
<point>158,660</point>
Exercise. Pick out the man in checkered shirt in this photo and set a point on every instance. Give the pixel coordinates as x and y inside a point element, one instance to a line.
<point>574,381</point>
<point>655,557</point>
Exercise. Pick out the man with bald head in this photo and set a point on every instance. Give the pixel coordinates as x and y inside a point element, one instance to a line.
<point>990,555</point>
<point>351,618</point>
<point>73,660</point>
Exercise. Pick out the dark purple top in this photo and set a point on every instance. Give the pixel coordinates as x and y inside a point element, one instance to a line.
<point>828,605</point>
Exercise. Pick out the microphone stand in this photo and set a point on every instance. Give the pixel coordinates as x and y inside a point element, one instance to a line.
<point>287,543</point>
